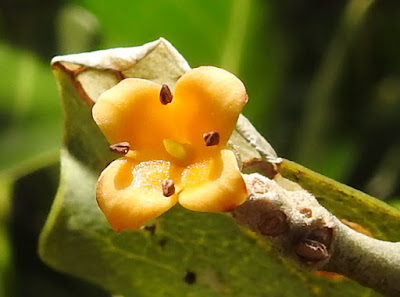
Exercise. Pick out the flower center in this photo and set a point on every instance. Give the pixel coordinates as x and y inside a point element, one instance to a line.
<point>177,150</point>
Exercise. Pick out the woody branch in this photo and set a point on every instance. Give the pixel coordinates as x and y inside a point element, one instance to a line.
<point>294,222</point>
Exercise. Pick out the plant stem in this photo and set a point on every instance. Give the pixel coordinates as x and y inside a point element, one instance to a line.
<point>371,262</point>
<point>239,22</point>
<point>285,211</point>
<point>319,99</point>
<point>293,220</point>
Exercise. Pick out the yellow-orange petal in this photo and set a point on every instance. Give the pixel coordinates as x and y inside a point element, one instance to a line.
<point>213,185</point>
<point>208,99</point>
<point>130,193</point>
<point>131,111</point>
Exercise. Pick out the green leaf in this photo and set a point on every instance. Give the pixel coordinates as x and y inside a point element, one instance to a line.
<point>182,253</point>
<point>30,117</point>
<point>30,128</point>
<point>177,21</point>
<point>6,255</point>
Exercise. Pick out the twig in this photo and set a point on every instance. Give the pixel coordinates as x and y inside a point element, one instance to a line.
<point>303,230</point>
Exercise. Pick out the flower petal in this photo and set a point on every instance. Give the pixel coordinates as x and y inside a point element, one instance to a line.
<point>208,99</point>
<point>130,193</point>
<point>131,111</point>
<point>213,185</point>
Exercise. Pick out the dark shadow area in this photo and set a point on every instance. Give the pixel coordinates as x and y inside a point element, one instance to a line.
<point>33,196</point>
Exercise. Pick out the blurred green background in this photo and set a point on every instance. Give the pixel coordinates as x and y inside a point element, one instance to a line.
<point>323,78</point>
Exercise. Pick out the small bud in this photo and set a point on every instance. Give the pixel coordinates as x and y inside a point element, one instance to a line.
<point>323,235</point>
<point>211,138</point>
<point>168,187</point>
<point>273,223</point>
<point>165,95</point>
<point>306,212</point>
<point>121,148</point>
<point>311,250</point>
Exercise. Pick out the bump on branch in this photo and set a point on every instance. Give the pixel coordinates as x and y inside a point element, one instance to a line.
<point>303,230</point>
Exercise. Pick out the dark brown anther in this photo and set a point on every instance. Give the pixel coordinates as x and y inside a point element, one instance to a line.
<point>121,148</point>
<point>273,223</point>
<point>211,138</point>
<point>311,250</point>
<point>168,187</point>
<point>165,95</point>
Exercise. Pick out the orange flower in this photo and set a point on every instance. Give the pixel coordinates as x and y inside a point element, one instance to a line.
<point>174,146</point>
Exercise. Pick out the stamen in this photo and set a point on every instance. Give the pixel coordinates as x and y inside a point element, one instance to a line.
<point>168,187</point>
<point>211,138</point>
<point>165,95</point>
<point>121,148</point>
